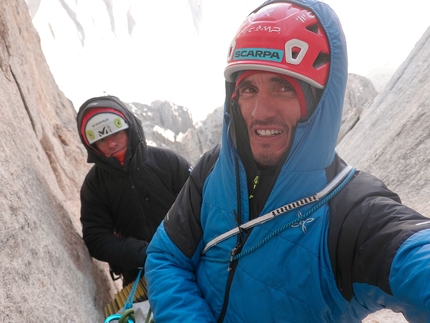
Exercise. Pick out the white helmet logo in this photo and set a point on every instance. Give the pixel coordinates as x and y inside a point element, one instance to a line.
<point>290,45</point>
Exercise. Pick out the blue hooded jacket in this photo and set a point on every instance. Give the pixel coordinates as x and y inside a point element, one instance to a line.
<point>332,262</point>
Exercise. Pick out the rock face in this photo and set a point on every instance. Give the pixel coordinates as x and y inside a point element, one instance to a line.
<point>359,94</point>
<point>392,139</point>
<point>210,130</point>
<point>46,271</point>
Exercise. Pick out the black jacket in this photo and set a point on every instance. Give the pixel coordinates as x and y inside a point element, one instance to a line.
<point>122,206</point>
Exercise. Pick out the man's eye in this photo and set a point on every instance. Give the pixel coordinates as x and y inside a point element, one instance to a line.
<point>287,88</point>
<point>247,90</point>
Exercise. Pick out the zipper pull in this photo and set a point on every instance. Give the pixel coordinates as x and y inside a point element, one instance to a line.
<point>255,181</point>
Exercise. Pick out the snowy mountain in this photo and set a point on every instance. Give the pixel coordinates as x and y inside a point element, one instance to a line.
<point>136,50</point>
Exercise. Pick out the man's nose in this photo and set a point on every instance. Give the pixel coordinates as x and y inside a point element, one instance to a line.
<point>112,143</point>
<point>264,106</point>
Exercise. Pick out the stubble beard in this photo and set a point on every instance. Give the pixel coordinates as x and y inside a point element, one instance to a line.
<point>267,157</point>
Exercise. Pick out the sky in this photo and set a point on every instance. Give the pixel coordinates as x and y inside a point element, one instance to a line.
<point>168,59</point>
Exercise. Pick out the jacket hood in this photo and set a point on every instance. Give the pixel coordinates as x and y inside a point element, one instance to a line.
<point>315,138</point>
<point>136,136</point>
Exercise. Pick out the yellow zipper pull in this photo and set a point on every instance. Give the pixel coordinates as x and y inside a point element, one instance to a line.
<point>255,181</point>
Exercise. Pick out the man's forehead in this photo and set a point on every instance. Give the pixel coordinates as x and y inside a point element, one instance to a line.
<point>268,76</point>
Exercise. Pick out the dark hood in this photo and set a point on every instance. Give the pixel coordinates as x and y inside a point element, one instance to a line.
<point>136,136</point>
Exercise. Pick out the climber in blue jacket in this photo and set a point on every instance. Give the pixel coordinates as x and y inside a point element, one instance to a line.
<point>272,225</point>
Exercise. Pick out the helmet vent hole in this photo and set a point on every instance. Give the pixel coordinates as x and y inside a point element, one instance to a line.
<point>313,28</point>
<point>322,59</point>
<point>295,51</point>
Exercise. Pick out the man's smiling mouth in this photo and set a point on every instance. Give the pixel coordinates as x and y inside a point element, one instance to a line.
<point>266,133</point>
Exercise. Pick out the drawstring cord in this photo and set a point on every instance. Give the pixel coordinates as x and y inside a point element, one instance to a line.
<point>291,223</point>
<point>340,177</point>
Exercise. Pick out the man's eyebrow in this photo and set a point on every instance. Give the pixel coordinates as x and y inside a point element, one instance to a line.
<point>244,83</point>
<point>273,79</point>
<point>278,79</point>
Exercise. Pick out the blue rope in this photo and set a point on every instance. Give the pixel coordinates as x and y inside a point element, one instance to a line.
<point>289,224</point>
<point>299,219</point>
<point>129,302</point>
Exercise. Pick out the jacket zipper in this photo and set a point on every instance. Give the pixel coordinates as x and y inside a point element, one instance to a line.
<point>240,241</point>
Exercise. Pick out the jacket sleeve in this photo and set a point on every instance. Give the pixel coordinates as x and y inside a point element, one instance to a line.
<point>174,253</point>
<point>173,292</point>
<point>98,231</point>
<point>410,271</point>
<point>392,260</point>
<point>383,249</point>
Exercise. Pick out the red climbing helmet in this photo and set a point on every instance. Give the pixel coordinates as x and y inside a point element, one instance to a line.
<point>283,38</point>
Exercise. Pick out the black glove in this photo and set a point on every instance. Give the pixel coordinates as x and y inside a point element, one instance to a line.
<point>141,255</point>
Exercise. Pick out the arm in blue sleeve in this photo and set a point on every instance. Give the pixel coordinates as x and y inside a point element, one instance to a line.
<point>410,271</point>
<point>173,292</point>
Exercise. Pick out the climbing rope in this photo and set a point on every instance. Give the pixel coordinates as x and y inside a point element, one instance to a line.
<point>127,315</point>
<point>340,177</point>
<point>297,221</point>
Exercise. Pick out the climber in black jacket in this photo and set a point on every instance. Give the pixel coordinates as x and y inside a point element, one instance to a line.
<point>129,190</point>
